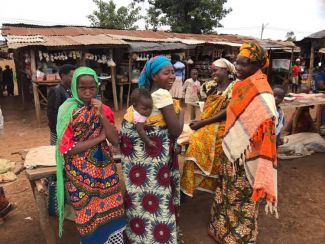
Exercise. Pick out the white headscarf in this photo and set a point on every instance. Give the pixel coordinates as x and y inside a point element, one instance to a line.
<point>224,63</point>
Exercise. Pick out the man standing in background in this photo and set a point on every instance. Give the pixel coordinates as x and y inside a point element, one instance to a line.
<point>296,70</point>
<point>8,80</point>
<point>57,96</point>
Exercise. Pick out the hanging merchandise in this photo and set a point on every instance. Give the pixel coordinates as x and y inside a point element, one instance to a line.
<point>111,62</point>
<point>40,55</point>
<point>189,61</point>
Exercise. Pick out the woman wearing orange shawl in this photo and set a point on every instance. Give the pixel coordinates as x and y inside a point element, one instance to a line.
<point>202,159</point>
<point>248,170</point>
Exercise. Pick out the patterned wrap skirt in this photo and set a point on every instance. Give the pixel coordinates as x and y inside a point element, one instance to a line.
<point>152,181</point>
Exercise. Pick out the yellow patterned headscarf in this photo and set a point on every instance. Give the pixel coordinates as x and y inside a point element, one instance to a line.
<point>255,53</point>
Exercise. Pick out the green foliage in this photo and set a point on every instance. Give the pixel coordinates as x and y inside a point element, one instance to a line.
<point>290,36</point>
<point>154,19</point>
<point>192,16</point>
<point>107,15</point>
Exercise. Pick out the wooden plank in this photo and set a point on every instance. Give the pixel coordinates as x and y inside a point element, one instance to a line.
<point>46,227</point>
<point>296,104</point>
<point>40,172</point>
<point>113,75</point>
<point>37,104</point>
<point>121,95</point>
<point>40,186</point>
<point>311,62</point>
<point>46,83</point>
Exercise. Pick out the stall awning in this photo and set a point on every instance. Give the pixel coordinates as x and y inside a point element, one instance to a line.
<point>15,42</point>
<point>157,46</point>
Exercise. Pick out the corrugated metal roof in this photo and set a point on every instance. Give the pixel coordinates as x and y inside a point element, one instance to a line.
<point>25,39</point>
<point>74,35</point>
<point>54,41</point>
<point>27,30</point>
<point>143,39</point>
<point>317,35</point>
<point>155,46</point>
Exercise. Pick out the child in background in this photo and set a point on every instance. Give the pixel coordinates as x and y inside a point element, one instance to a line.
<point>191,89</point>
<point>142,104</point>
<point>279,93</point>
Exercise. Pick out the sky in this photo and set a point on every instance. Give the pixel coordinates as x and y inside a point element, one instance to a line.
<point>247,17</point>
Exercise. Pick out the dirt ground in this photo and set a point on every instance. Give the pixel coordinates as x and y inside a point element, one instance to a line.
<point>301,193</point>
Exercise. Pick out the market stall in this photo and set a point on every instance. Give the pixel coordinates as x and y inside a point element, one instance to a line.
<point>39,53</point>
<point>141,51</point>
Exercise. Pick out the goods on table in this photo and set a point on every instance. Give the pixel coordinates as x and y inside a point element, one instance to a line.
<point>40,156</point>
<point>7,171</point>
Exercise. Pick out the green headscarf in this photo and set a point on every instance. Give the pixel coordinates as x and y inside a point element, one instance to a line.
<point>64,118</point>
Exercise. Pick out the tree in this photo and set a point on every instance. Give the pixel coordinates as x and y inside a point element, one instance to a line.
<point>290,36</point>
<point>154,19</point>
<point>108,16</point>
<point>193,16</point>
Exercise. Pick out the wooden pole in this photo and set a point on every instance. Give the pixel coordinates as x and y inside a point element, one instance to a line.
<point>113,75</point>
<point>35,90</point>
<point>270,66</point>
<point>44,217</point>
<point>311,63</point>
<point>130,81</point>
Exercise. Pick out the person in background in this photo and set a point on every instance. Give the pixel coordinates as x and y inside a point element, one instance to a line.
<point>177,89</point>
<point>139,112</point>
<point>203,156</point>
<point>152,197</point>
<point>1,83</point>
<point>301,120</point>
<point>191,90</point>
<point>85,130</point>
<point>319,79</point>
<point>248,169</point>
<point>5,205</point>
<point>57,97</point>
<point>8,80</point>
<point>296,70</point>
<point>279,94</point>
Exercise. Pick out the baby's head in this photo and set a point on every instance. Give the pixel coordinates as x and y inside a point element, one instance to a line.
<point>142,101</point>
<point>278,93</point>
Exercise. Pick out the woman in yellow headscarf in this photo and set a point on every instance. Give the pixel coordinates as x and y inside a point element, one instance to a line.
<point>248,165</point>
<point>202,160</point>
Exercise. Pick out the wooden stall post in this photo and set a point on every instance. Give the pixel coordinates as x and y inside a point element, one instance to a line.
<point>113,75</point>
<point>311,62</point>
<point>44,218</point>
<point>35,90</point>
<point>270,65</point>
<point>130,81</point>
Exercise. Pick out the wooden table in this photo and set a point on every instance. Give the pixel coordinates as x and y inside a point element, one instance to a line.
<point>302,103</point>
<point>34,176</point>
<point>38,93</point>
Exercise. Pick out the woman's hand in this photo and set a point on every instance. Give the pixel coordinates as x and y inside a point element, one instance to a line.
<point>196,124</point>
<point>97,104</point>
<point>151,144</point>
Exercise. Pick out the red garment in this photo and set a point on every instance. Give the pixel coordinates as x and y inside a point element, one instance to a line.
<point>296,70</point>
<point>67,141</point>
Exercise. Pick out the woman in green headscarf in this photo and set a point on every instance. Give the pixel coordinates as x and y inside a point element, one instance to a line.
<point>84,157</point>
